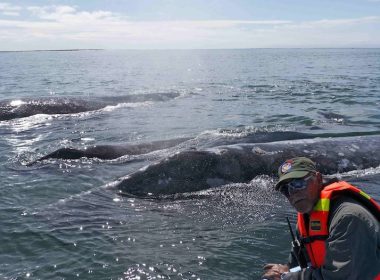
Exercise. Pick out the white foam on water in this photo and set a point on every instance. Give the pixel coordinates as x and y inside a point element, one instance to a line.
<point>17,103</point>
<point>87,139</point>
<point>356,173</point>
<point>110,108</point>
<point>244,131</point>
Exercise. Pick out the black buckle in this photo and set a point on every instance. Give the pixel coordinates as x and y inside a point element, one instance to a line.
<point>310,239</point>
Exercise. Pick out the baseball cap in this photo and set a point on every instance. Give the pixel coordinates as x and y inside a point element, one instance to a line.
<point>295,168</point>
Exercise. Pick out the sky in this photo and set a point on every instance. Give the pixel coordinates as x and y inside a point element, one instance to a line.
<point>186,24</point>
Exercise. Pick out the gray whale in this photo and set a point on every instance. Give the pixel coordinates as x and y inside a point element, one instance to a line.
<point>195,170</point>
<point>108,152</point>
<point>115,151</point>
<point>26,107</point>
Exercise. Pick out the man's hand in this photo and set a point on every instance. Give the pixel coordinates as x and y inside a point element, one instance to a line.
<point>273,271</point>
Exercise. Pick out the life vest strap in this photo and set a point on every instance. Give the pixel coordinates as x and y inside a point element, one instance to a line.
<point>310,239</point>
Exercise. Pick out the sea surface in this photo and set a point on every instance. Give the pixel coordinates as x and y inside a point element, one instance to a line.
<point>63,219</point>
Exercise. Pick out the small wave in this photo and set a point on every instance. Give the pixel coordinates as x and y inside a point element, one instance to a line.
<point>333,116</point>
<point>27,123</point>
<point>245,131</point>
<point>251,134</point>
<point>110,108</point>
<point>259,86</point>
<point>99,196</point>
<point>357,173</point>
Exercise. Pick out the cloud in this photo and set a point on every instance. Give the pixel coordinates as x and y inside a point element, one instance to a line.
<point>57,27</point>
<point>71,24</point>
<point>69,14</point>
<point>9,9</point>
<point>51,12</point>
<point>353,32</point>
<point>328,23</point>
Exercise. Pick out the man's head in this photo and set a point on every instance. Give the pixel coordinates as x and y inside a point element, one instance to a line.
<point>300,182</point>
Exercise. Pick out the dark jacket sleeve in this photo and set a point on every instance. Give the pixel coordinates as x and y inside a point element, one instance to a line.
<point>353,246</point>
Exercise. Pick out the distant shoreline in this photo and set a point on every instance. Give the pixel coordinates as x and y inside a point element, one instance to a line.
<point>76,50</point>
<point>63,50</point>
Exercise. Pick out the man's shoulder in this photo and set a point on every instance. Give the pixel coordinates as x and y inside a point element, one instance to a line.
<point>346,207</point>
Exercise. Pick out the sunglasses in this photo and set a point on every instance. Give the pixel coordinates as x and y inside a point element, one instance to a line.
<point>296,184</point>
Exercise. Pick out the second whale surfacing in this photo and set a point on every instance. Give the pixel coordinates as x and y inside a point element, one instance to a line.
<point>26,107</point>
<point>108,152</point>
<point>194,170</point>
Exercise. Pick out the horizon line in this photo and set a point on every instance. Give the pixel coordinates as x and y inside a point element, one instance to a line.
<point>178,49</point>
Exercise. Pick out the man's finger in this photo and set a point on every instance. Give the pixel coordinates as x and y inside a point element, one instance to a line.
<point>269,266</point>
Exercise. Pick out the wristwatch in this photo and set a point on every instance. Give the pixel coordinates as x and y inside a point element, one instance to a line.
<point>283,275</point>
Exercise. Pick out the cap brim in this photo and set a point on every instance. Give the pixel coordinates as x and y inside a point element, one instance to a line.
<point>291,175</point>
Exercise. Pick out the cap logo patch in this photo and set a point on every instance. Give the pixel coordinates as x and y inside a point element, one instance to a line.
<point>286,167</point>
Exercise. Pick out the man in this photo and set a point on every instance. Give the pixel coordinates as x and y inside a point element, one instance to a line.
<point>338,227</point>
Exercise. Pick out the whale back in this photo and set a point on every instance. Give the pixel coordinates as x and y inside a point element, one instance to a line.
<point>196,170</point>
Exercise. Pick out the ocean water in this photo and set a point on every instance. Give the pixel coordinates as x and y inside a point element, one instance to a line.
<point>64,218</point>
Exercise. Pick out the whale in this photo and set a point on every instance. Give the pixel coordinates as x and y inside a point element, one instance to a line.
<point>26,107</point>
<point>195,170</point>
<point>109,152</point>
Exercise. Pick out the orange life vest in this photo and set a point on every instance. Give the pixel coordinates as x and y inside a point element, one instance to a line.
<point>314,232</point>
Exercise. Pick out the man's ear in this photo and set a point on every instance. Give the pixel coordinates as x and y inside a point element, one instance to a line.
<point>319,177</point>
